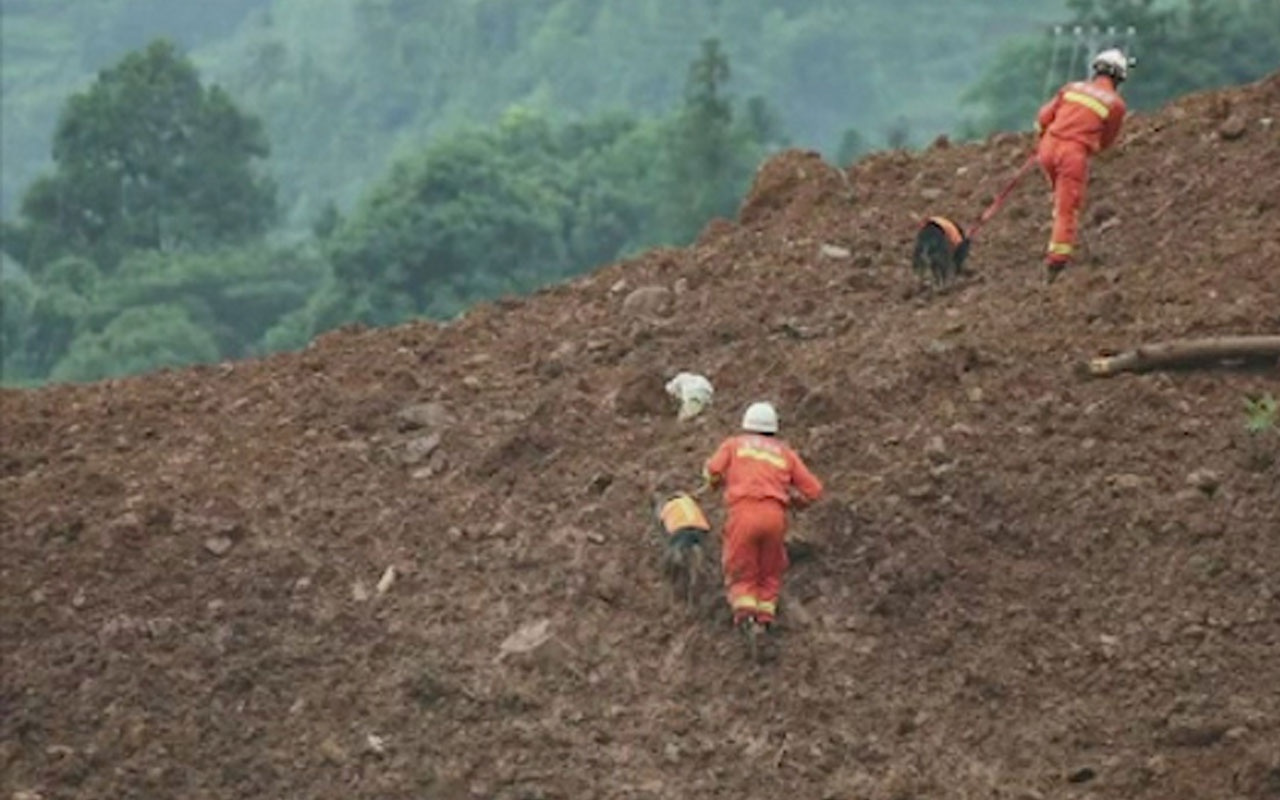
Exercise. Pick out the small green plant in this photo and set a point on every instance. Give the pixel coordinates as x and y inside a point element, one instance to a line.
<point>1261,414</point>
<point>1261,417</point>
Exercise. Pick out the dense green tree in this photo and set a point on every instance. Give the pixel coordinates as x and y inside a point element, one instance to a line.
<point>40,321</point>
<point>53,319</point>
<point>709,157</point>
<point>234,295</point>
<point>16,297</point>
<point>146,159</point>
<point>139,340</point>
<point>475,215</point>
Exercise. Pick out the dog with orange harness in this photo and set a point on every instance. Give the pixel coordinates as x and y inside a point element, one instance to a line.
<point>941,249</point>
<point>684,528</point>
<point>942,246</point>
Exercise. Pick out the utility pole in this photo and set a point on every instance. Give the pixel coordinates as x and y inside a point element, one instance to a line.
<point>1081,43</point>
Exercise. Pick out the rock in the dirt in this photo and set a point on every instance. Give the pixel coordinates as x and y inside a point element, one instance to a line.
<point>599,482</point>
<point>432,416</point>
<point>922,491</point>
<point>388,578</point>
<point>1206,480</point>
<point>1157,765</point>
<point>534,645</point>
<point>936,450</point>
<point>1236,734</point>
<point>1197,732</point>
<point>1186,496</point>
<point>648,301</point>
<point>835,251</point>
<point>1082,775</point>
<point>420,449</point>
<point>22,794</point>
<point>218,545</point>
<point>527,639</point>
<point>436,465</point>
<point>1233,128</point>
<point>931,193</point>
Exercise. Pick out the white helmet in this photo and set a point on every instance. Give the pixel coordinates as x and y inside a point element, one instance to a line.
<point>1112,62</point>
<point>760,418</point>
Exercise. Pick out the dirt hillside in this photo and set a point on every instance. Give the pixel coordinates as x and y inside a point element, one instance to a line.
<point>1025,584</point>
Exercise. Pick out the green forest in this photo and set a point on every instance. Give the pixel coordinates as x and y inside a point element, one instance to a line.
<point>191,182</point>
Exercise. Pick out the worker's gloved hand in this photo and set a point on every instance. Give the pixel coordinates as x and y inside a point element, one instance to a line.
<point>709,482</point>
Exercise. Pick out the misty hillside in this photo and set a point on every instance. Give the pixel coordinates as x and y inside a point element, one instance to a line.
<point>344,83</point>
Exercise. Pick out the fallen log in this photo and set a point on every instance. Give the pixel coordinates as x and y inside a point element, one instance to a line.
<point>1185,353</point>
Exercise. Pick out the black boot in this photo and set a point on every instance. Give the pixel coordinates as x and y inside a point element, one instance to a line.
<point>1052,269</point>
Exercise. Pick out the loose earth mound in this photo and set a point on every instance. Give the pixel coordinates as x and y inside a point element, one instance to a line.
<point>418,562</point>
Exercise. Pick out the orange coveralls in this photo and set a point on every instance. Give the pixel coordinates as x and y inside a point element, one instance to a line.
<point>1083,118</point>
<point>758,472</point>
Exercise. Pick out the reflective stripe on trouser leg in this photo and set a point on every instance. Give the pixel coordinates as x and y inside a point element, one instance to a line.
<point>766,610</point>
<point>744,608</point>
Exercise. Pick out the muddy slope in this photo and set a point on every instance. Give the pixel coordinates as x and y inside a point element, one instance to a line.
<point>1026,585</point>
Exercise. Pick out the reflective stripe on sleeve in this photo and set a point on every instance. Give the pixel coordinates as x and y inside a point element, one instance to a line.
<point>1092,103</point>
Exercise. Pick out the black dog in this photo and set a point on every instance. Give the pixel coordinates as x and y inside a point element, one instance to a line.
<point>941,250</point>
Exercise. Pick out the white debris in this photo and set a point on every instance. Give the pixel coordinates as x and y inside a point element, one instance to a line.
<point>649,301</point>
<point>693,391</point>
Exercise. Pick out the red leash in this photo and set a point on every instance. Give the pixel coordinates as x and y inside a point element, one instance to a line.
<point>1000,198</point>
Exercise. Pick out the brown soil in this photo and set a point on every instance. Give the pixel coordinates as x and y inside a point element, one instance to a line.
<point>1018,587</point>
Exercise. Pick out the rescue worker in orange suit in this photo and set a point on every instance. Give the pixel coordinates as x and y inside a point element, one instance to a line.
<point>762,476</point>
<point>1082,119</point>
